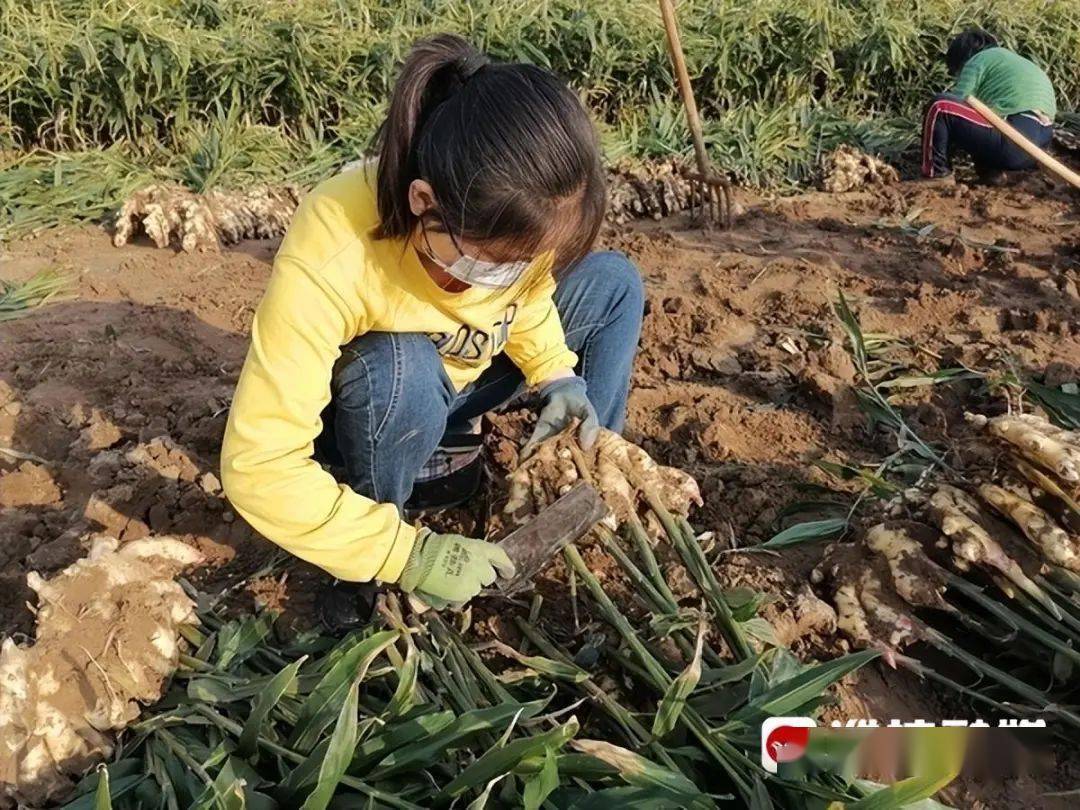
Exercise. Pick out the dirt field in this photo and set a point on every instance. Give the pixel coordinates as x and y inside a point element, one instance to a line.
<point>115,402</point>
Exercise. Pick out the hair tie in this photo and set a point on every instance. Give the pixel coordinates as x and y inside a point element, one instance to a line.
<point>470,64</point>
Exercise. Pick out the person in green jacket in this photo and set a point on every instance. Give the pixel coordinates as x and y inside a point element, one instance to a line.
<point>1014,87</point>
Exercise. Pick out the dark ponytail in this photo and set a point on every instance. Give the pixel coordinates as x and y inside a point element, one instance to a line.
<point>508,149</point>
<point>965,45</point>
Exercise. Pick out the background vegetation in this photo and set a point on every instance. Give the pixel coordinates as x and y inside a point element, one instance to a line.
<point>100,95</point>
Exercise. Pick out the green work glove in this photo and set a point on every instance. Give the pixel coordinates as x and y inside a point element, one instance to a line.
<point>447,570</point>
<point>564,401</point>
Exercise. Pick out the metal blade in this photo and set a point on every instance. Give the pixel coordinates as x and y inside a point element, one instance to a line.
<point>532,546</point>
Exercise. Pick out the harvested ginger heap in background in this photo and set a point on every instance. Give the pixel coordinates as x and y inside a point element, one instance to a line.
<point>196,222</point>
<point>848,169</point>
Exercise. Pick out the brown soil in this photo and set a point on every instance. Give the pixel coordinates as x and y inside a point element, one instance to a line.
<point>115,403</point>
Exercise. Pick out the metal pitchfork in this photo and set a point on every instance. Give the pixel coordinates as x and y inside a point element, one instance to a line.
<point>714,190</point>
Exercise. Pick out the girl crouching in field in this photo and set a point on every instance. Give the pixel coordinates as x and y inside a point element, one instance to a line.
<point>1012,86</point>
<point>408,300</point>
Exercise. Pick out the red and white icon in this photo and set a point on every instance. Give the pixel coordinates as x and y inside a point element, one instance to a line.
<point>784,739</point>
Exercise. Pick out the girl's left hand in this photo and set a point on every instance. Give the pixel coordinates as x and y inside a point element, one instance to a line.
<point>565,399</point>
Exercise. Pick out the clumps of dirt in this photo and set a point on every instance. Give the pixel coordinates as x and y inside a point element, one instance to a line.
<point>164,457</point>
<point>200,222</point>
<point>100,432</point>
<point>736,433</point>
<point>156,487</point>
<point>108,637</point>
<point>849,169</point>
<point>29,485</point>
<point>684,339</point>
<point>828,380</point>
<point>122,407</point>
<point>10,408</point>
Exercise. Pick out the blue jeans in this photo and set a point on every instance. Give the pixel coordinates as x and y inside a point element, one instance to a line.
<point>392,402</point>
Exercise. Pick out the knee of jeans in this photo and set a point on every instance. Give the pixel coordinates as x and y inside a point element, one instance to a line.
<point>404,364</point>
<point>618,274</point>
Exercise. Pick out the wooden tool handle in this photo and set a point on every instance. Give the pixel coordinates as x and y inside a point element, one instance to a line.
<point>678,60</point>
<point>1009,131</point>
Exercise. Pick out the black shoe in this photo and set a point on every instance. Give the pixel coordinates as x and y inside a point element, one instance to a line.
<point>346,606</point>
<point>448,490</point>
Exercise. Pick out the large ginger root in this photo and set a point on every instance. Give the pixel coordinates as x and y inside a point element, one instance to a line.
<point>914,576</point>
<point>107,639</point>
<point>1061,503</point>
<point>961,520</point>
<point>620,471</point>
<point>1037,440</point>
<point>170,214</point>
<point>903,628</point>
<point>868,613</point>
<point>848,169</point>
<point>850,616</point>
<point>1052,541</point>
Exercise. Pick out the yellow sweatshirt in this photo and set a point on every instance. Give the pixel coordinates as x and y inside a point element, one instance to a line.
<point>332,281</point>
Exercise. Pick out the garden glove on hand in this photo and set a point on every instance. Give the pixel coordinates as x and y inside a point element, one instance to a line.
<point>447,570</point>
<point>564,400</point>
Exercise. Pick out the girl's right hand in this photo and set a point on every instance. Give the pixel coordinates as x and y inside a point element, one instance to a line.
<point>447,570</point>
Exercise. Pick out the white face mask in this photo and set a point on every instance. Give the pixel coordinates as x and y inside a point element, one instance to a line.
<point>477,272</point>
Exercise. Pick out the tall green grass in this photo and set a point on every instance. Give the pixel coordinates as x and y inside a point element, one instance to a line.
<point>231,91</point>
